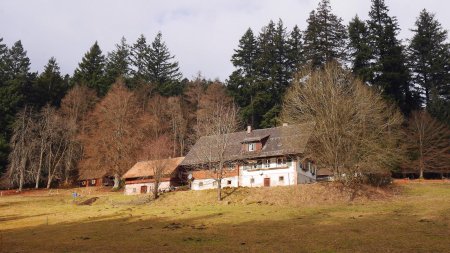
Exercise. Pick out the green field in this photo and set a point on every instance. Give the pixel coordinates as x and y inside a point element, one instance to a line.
<point>413,217</point>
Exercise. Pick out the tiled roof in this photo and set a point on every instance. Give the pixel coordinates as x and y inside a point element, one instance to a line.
<point>284,140</point>
<point>145,168</point>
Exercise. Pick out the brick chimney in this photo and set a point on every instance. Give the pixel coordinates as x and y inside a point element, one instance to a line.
<point>249,129</point>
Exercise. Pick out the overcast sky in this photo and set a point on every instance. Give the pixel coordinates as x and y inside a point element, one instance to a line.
<point>202,34</point>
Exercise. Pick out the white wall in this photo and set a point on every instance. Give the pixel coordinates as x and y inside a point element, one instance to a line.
<point>210,183</point>
<point>306,175</point>
<point>274,172</point>
<point>132,189</point>
<point>290,171</point>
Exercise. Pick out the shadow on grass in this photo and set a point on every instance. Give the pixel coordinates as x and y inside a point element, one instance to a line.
<point>228,192</point>
<point>4,218</point>
<point>307,233</point>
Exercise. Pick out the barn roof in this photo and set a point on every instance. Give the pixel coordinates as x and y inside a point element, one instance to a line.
<point>284,140</point>
<point>145,168</point>
<point>85,174</point>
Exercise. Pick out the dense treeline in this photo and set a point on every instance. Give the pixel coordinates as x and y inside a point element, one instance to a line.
<point>412,74</point>
<point>52,125</point>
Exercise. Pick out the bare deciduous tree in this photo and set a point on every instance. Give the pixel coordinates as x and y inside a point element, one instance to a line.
<point>114,133</point>
<point>75,108</point>
<point>356,131</point>
<point>216,125</point>
<point>58,142</point>
<point>158,151</point>
<point>21,148</point>
<point>428,143</point>
<point>178,123</point>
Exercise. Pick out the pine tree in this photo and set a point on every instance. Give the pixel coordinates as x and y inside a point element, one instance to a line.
<point>245,56</point>
<point>389,69</point>
<point>3,61</point>
<point>16,84</point>
<point>264,91</point>
<point>91,70</point>
<point>140,59</point>
<point>163,70</point>
<point>360,51</point>
<point>50,87</point>
<point>429,57</point>
<point>264,69</point>
<point>281,70</point>
<point>244,60</point>
<point>325,37</point>
<point>439,107</point>
<point>295,50</point>
<point>19,63</point>
<point>118,62</point>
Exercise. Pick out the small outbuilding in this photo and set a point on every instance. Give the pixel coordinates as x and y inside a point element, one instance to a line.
<point>140,179</point>
<point>95,178</point>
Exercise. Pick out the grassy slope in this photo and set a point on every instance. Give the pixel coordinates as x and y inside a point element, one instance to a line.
<point>418,220</point>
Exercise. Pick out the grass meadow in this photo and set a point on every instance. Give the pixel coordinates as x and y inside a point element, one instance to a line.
<point>409,217</point>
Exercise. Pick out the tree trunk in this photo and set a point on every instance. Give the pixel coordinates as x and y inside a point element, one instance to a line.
<point>49,181</point>
<point>116,181</point>
<point>38,176</point>
<point>421,168</point>
<point>155,190</point>
<point>68,166</point>
<point>21,179</point>
<point>219,189</point>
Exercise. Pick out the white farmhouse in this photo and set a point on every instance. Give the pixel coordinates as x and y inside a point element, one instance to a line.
<point>256,158</point>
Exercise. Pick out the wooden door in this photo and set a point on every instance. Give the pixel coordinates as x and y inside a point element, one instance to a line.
<point>266,182</point>
<point>144,189</point>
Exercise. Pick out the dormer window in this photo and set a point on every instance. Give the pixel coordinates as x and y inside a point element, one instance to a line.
<point>253,143</point>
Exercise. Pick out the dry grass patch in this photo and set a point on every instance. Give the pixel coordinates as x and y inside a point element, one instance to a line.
<point>417,220</point>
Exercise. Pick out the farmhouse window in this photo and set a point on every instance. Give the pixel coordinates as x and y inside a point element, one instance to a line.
<point>267,164</point>
<point>83,183</point>
<point>200,184</point>
<point>134,190</point>
<point>251,146</point>
<point>252,180</point>
<point>281,179</point>
<point>93,181</point>
<point>258,164</point>
<point>229,182</point>
<point>289,161</point>
<point>281,161</point>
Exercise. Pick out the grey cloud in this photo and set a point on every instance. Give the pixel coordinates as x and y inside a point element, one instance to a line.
<point>202,34</point>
